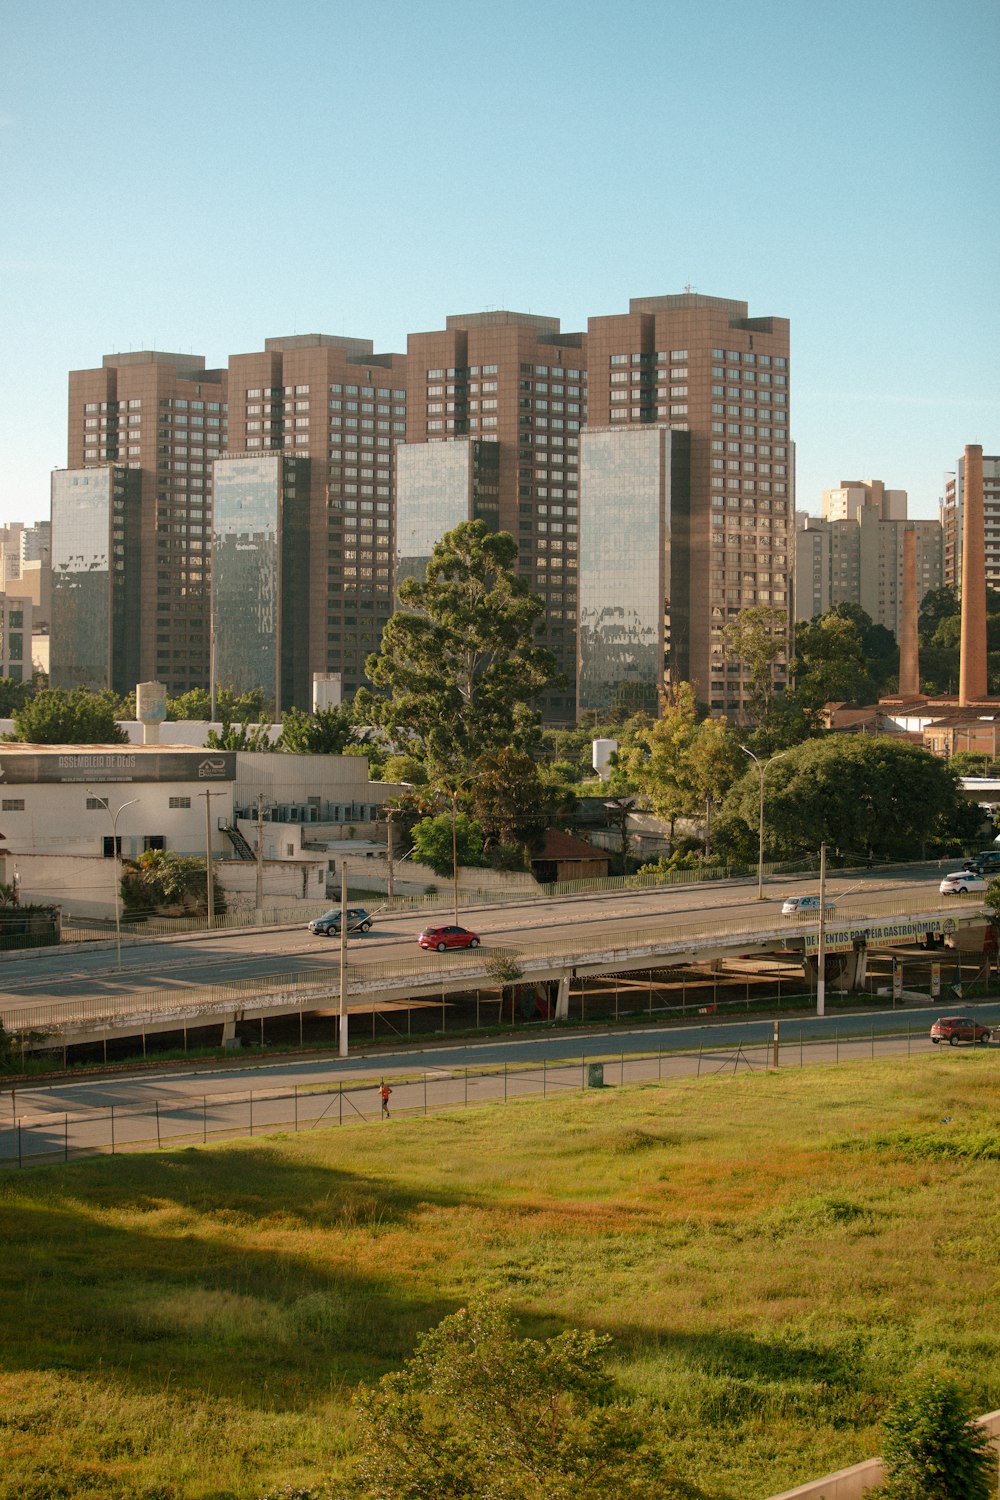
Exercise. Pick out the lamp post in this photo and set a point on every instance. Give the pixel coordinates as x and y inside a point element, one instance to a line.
<point>762,766</point>
<point>114,816</point>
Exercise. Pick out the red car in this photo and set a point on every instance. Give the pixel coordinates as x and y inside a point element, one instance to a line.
<point>955,1029</point>
<point>443,938</point>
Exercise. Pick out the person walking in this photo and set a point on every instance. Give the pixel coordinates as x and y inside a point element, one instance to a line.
<point>384,1092</point>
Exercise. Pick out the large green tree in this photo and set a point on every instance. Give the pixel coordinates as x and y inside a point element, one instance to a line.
<point>863,797</point>
<point>57,716</point>
<point>830,663</point>
<point>479,1412</point>
<point>459,662</point>
<point>327,732</point>
<point>758,637</point>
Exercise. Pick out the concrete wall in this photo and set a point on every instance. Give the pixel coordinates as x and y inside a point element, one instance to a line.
<point>56,820</point>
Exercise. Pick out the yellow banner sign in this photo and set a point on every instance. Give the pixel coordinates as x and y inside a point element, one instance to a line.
<point>877,935</point>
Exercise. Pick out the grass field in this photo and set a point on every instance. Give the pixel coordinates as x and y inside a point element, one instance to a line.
<point>773,1254</point>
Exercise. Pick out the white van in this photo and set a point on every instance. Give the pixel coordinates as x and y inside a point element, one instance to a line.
<point>797,906</point>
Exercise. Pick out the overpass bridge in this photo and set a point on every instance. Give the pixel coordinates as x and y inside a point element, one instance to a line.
<point>424,979</point>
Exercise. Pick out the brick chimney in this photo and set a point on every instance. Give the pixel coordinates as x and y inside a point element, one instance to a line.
<point>972,672</point>
<point>909,650</point>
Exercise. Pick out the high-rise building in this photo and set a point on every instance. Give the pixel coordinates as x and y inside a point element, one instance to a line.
<point>854,553</point>
<point>15,637</point>
<point>703,366</point>
<point>162,416</point>
<point>516,379</point>
<point>332,400</point>
<point>260,576</point>
<point>952,512</point>
<point>437,487</point>
<point>860,561</point>
<point>96,565</point>
<point>855,495</point>
<point>633,492</point>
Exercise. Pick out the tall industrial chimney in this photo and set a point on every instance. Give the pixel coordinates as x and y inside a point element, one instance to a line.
<point>972,672</point>
<point>909,649</point>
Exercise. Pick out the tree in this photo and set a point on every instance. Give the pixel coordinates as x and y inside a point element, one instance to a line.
<point>458,659</point>
<point>327,732</point>
<point>479,1413</point>
<point>758,637</point>
<point>196,704</point>
<point>863,797</point>
<point>933,1449</point>
<point>659,763</point>
<point>159,881</point>
<point>432,842</point>
<point>830,664</point>
<point>57,716</point>
<point>241,737</point>
<point>509,799</point>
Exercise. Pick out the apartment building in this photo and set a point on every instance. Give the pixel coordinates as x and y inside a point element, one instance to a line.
<point>15,638</point>
<point>704,367</point>
<point>952,512</point>
<point>163,417</point>
<point>96,578</point>
<point>515,386</point>
<point>333,401</point>
<point>854,553</point>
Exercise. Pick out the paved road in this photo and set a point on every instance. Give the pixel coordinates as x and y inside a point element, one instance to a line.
<point>223,957</point>
<point>70,1119</point>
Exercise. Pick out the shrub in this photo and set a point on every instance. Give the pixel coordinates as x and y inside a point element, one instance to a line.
<point>932,1448</point>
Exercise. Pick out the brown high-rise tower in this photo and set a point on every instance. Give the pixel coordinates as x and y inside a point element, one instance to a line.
<point>972,673</point>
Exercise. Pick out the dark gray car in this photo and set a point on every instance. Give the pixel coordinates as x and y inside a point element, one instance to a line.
<point>328,925</point>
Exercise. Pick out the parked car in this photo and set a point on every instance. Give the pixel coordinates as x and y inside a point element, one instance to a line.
<point>961,882</point>
<point>328,925</point>
<point>955,1029</point>
<point>986,862</point>
<point>801,905</point>
<point>443,938</point>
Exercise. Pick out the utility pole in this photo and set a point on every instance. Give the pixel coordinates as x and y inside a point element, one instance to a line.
<point>259,896</point>
<point>389,814</point>
<point>821,947</point>
<point>342,1011</point>
<point>209,882</point>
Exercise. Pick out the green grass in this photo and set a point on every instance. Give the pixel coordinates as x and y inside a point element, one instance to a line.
<point>773,1253</point>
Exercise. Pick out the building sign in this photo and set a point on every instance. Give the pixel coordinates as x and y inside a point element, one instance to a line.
<point>90,766</point>
<point>877,935</point>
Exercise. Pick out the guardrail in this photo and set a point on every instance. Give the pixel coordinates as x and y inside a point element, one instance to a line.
<point>660,938</point>
<point>76,930</point>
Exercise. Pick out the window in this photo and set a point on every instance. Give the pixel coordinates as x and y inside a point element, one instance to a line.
<point>180,801</point>
<point>13,804</point>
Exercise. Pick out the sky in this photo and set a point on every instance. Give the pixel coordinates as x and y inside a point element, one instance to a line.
<point>198,177</point>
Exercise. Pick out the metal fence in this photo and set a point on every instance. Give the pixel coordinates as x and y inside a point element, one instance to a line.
<point>33,1137</point>
<point>87,930</point>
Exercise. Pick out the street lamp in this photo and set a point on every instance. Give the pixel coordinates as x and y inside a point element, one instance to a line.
<point>114,816</point>
<point>762,766</point>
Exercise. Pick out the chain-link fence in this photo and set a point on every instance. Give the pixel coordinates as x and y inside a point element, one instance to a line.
<point>30,1137</point>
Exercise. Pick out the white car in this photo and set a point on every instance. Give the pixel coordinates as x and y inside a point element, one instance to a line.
<point>962,882</point>
<point>796,906</point>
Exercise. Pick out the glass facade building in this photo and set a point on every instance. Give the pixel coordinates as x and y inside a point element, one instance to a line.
<point>95,578</point>
<point>625,567</point>
<point>439,485</point>
<point>260,577</point>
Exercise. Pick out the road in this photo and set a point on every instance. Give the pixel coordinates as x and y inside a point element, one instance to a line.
<point>75,1118</point>
<point>193,962</point>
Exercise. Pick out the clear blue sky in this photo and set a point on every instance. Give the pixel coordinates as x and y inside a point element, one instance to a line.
<point>195,176</point>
